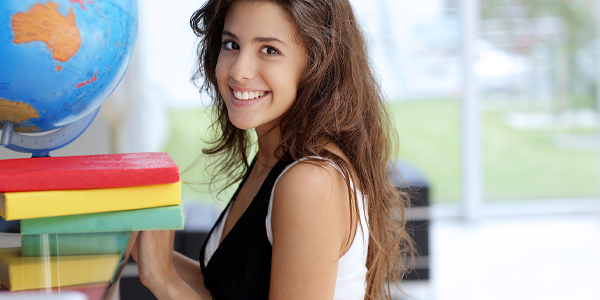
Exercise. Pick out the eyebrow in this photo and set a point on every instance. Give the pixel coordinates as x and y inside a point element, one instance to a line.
<point>256,39</point>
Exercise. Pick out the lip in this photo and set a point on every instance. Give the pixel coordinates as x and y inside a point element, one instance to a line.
<point>244,103</point>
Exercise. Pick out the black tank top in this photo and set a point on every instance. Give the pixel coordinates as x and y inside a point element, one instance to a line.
<point>240,267</point>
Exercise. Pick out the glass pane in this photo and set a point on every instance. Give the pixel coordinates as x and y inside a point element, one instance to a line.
<point>416,52</point>
<point>430,139</point>
<point>537,78</point>
<point>189,132</point>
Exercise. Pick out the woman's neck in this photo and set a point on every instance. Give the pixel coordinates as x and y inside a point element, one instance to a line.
<point>268,141</point>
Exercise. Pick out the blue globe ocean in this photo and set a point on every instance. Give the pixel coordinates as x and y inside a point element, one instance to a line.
<point>59,61</point>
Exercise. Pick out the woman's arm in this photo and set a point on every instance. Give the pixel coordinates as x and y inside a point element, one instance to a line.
<point>169,275</point>
<point>190,272</point>
<point>311,223</point>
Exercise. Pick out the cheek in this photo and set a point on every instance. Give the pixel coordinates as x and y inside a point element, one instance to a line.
<point>287,80</point>
<point>288,90</point>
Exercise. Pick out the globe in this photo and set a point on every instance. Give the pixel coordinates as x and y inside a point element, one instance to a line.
<point>59,61</point>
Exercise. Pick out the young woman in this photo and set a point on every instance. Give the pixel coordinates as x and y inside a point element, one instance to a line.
<point>315,216</point>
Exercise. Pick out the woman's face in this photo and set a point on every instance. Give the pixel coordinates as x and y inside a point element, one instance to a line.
<point>259,65</point>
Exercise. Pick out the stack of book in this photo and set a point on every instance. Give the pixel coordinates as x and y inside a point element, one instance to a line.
<point>80,215</point>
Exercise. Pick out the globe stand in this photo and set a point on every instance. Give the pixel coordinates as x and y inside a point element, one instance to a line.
<point>41,145</point>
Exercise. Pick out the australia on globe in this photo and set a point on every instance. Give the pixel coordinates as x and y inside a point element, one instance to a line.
<point>60,59</point>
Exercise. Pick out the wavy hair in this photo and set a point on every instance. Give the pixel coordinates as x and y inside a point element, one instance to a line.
<point>338,100</point>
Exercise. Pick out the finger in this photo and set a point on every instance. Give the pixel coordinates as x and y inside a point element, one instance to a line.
<point>135,248</point>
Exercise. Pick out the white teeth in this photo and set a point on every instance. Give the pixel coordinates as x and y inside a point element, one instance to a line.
<point>247,95</point>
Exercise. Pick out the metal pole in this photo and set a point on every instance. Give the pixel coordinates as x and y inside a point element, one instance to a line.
<point>470,115</point>
<point>6,135</point>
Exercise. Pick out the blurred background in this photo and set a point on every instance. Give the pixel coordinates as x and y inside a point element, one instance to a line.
<point>496,106</point>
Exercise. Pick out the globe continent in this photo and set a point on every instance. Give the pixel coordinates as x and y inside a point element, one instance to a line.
<point>61,59</point>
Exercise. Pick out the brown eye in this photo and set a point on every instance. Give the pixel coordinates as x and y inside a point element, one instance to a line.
<point>270,50</point>
<point>231,45</point>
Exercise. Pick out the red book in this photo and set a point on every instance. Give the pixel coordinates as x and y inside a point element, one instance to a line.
<point>94,291</point>
<point>86,172</point>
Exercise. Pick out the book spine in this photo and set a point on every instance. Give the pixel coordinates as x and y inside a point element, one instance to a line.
<point>35,273</point>
<point>75,243</point>
<point>28,205</point>
<point>87,172</point>
<point>89,179</point>
<point>156,218</point>
<point>94,291</point>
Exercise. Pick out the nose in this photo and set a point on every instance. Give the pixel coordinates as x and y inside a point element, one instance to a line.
<point>243,68</point>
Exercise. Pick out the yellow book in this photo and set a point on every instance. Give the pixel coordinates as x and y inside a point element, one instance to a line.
<point>41,204</point>
<point>28,273</point>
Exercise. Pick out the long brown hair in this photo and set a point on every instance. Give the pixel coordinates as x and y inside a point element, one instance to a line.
<point>338,100</point>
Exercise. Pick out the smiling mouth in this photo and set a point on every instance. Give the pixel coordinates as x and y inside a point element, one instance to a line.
<point>248,95</point>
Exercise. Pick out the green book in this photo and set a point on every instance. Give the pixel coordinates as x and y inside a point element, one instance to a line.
<point>157,218</point>
<point>75,243</point>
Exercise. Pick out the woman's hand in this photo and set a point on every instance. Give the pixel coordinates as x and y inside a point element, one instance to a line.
<point>168,276</point>
<point>153,251</point>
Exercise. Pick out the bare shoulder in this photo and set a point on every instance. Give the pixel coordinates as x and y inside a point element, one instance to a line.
<point>311,199</point>
<point>310,221</point>
<point>317,172</point>
<point>316,178</point>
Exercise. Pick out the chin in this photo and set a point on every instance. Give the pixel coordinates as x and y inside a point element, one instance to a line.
<point>243,127</point>
<point>241,124</point>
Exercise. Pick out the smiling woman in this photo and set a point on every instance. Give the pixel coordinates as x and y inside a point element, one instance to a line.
<point>260,55</point>
<point>315,215</point>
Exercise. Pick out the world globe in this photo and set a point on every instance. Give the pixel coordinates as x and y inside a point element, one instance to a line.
<point>59,61</point>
